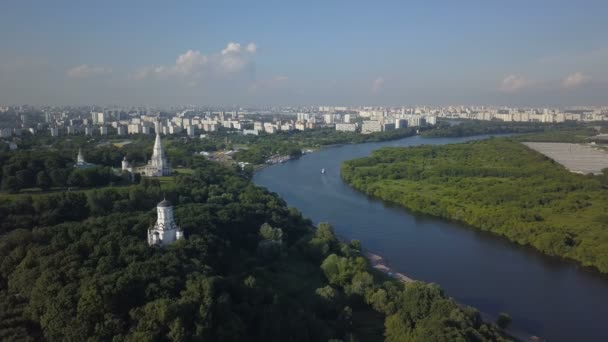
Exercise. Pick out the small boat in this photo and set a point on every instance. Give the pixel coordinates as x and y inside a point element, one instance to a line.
<point>322,170</point>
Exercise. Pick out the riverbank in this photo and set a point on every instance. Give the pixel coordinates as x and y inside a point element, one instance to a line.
<point>382,265</point>
<point>496,185</point>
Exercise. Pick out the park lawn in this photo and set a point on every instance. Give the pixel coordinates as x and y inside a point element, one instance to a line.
<point>183,170</point>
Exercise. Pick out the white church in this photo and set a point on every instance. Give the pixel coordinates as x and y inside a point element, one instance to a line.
<point>165,231</point>
<point>158,165</point>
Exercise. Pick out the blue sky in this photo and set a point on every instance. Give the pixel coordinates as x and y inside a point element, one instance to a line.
<point>545,53</point>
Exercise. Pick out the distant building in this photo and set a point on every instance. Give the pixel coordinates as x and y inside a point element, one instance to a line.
<point>190,130</point>
<point>54,131</point>
<point>371,126</point>
<point>158,165</point>
<point>126,166</point>
<point>165,231</point>
<point>175,129</point>
<point>346,127</point>
<point>287,127</point>
<point>400,123</point>
<point>72,130</point>
<point>251,132</point>
<point>134,129</point>
<point>388,126</point>
<point>80,162</point>
<point>413,121</point>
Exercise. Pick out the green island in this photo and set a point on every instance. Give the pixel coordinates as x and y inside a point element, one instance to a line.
<point>496,185</point>
<point>75,264</point>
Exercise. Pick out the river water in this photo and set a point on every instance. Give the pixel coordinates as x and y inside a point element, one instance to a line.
<point>547,297</point>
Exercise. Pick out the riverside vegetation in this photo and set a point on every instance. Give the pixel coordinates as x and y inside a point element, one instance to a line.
<point>76,266</point>
<point>496,185</point>
<point>563,132</point>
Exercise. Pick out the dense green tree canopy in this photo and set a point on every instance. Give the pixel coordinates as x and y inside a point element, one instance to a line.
<point>76,266</point>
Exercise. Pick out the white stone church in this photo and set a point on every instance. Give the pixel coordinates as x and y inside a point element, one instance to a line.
<point>165,231</point>
<point>157,165</point>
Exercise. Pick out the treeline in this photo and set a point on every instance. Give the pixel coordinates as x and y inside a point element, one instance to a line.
<point>249,269</point>
<point>261,147</point>
<point>467,128</point>
<point>497,185</point>
<point>580,134</point>
<point>29,211</point>
<point>47,169</point>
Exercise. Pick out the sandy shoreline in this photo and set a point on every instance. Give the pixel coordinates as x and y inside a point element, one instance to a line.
<point>380,264</point>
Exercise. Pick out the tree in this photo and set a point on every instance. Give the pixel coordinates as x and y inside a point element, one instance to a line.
<point>10,184</point>
<point>43,180</point>
<point>503,321</point>
<point>25,178</point>
<point>58,177</point>
<point>267,232</point>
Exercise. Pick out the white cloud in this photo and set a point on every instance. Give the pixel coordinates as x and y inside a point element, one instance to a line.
<point>377,84</point>
<point>189,61</point>
<point>85,70</point>
<point>232,48</point>
<point>192,65</point>
<point>252,48</point>
<point>513,83</point>
<point>575,80</point>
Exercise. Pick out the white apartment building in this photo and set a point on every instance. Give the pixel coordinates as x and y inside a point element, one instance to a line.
<point>346,127</point>
<point>370,126</point>
<point>134,129</point>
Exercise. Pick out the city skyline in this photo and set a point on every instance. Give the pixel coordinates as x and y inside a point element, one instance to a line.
<point>516,54</point>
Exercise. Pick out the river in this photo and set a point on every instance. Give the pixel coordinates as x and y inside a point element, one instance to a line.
<point>547,297</point>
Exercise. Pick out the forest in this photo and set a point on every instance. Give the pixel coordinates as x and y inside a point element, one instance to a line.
<point>496,185</point>
<point>465,128</point>
<point>76,266</point>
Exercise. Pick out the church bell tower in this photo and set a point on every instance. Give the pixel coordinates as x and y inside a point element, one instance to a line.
<point>165,231</point>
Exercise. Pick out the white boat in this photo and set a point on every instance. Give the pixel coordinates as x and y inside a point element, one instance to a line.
<point>322,170</point>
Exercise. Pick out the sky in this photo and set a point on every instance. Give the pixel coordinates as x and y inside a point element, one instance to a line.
<point>512,53</point>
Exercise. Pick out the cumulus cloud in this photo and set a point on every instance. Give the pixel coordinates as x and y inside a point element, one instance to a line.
<point>84,70</point>
<point>513,83</point>
<point>575,80</point>
<point>193,66</point>
<point>232,48</point>
<point>377,84</point>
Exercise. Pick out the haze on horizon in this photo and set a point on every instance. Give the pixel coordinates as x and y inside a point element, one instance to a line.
<point>518,53</point>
